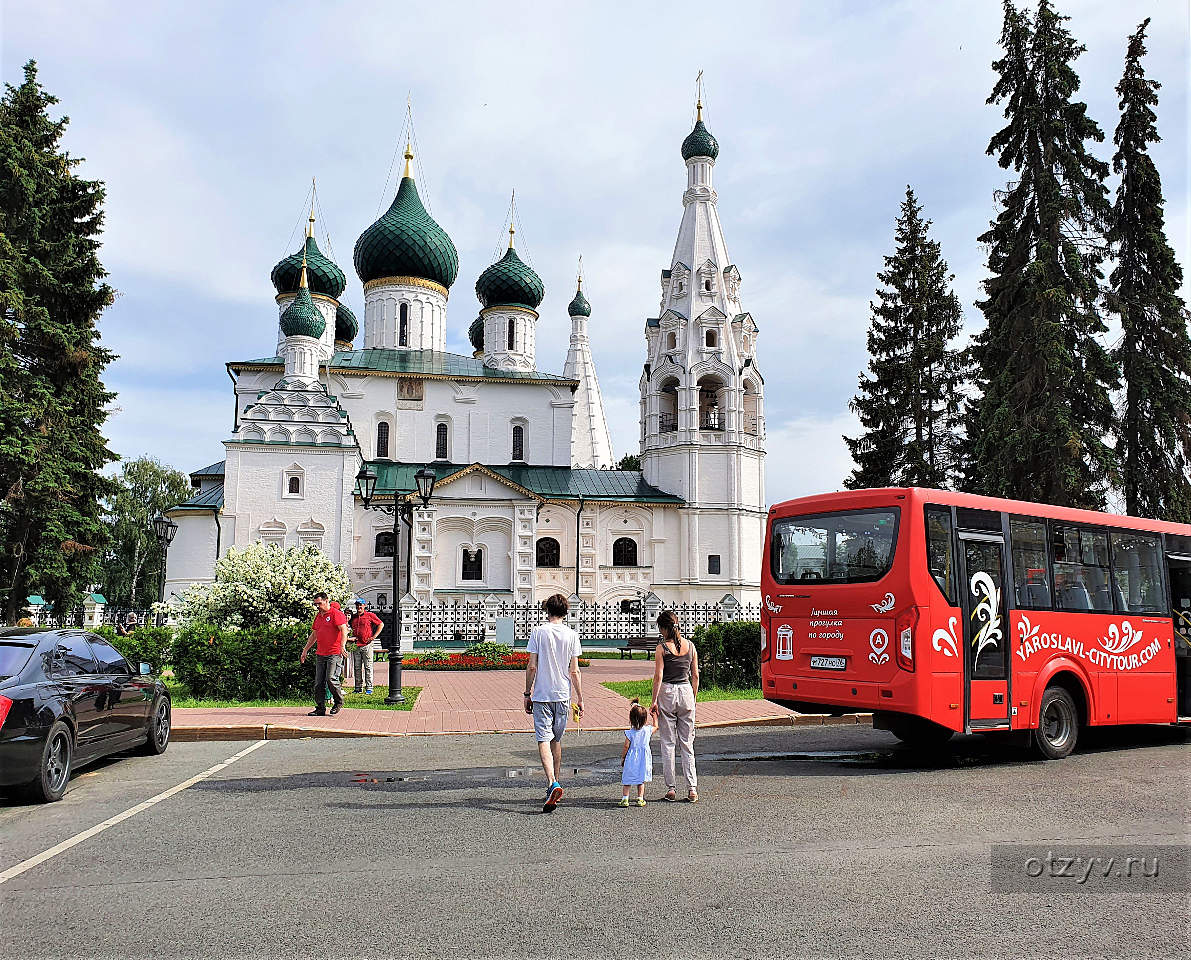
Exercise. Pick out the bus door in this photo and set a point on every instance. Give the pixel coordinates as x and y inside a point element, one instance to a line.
<point>1179,569</point>
<point>986,631</point>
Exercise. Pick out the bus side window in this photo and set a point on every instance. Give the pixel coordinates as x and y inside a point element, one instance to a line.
<point>940,553</point>
<point>1081,569</point>
<point>1137,573</point>
<point>1031,578</point>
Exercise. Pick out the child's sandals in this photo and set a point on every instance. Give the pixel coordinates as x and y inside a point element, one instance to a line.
<point>624,802</point>
<point>670,796</point>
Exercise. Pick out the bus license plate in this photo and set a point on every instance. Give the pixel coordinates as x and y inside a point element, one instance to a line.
<point>829,663</point>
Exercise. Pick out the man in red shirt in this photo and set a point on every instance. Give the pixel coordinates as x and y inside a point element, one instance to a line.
<point>329,632</point>
<point>366,627</point>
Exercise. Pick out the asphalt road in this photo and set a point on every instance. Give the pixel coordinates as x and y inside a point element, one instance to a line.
<point>807,842</point>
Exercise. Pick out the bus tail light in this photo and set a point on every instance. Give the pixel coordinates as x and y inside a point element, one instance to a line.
<point>904,626</point>
<point>5,706</point>
<point>764,642</point>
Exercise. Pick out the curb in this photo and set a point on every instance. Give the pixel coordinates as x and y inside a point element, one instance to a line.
<point>275,731</point>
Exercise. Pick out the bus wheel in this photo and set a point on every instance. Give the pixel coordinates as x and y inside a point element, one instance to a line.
<point>1058,724</point>
<point>917,732</point>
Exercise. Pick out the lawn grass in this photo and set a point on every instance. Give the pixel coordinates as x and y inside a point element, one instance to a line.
<point>643,690</point>
<point>180,697</point>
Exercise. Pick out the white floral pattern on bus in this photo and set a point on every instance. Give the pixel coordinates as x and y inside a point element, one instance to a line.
<point>885,605</point>
<point>1121,638</point>
<point>988,607</point>
<point>944,641</point>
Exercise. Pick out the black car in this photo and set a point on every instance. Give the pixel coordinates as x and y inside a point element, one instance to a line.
<point>68,698</point>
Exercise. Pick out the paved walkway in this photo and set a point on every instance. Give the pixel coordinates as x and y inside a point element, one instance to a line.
<point>482,701</point>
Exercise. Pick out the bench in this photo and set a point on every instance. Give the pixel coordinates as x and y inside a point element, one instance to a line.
<point>633,644</point>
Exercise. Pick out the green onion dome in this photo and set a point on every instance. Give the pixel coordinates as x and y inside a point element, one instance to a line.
<point>510,282</point>
<point>406,242</point>
<point>301,318</point>
<point>475,333</point>
<point>346,326</point>
<point>322,274</point>
<point>579,307</point>
<point>700,143</point>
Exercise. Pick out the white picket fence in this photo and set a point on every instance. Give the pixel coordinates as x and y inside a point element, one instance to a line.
<point>598,624</point>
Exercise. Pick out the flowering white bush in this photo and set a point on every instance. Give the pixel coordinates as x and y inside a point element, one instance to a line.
<point>266,584</point>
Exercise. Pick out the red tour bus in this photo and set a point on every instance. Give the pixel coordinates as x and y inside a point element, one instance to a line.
<point>944,612</point>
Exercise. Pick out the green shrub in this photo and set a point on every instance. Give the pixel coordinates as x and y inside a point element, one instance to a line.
<point>489,650</point>
<point>729,654</point>
<point>260,663</point>
<point>437,655</point>
<point>151,645</point>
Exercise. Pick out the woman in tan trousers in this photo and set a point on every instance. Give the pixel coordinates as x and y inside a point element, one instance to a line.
<point>675,684</point>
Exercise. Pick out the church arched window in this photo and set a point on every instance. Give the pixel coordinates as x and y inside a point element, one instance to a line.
<point>712,339</point>
<point>549,552</point>
<point>440,442</point>
<point>671,340</point>
<point>382,440</point>
<point>624,552</point>
<point>403,326</point>
<point>473,564</point>
<point>295,485</point>
<point>512,333</point>
<point>518,442</point>
<point>384,545</point>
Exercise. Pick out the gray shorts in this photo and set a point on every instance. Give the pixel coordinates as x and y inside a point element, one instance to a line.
<point>550,719</point>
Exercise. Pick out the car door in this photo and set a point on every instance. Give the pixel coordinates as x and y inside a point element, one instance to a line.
<point>74,671</point>
<point>129,694</point>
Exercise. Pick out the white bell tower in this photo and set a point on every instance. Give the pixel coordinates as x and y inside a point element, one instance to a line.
<point>702,401</point>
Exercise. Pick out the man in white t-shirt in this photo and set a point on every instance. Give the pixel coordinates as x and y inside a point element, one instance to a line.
<point>551,676</point>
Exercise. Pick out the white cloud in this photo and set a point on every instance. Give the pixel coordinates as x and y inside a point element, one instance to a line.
<point>807,455</point>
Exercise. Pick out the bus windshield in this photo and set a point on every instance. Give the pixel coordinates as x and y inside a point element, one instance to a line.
<point>850,547</point>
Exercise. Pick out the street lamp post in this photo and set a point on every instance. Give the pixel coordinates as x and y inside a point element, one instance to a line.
<point>402,509</point>
<point>164,529</point>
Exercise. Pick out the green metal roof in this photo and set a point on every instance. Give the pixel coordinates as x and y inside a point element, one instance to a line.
<point>406,242</point>
<point>550,483</point>
<point>346,326</point>
<point>322,273</point>
<point>35,600</point>
<point>510,282</point>
<point>700,143</point>
<point>423,363</point>
<point>212,470</point>
<point>653,321</point>
<point>97,598</point>
<point>210,500</point>
<point>579,307</point>
<point>301,318</point>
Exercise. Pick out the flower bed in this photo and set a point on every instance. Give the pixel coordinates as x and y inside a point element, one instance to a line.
<point>463,661</point>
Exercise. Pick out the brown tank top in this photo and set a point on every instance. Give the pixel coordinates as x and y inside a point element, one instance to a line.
<point>676,667</point>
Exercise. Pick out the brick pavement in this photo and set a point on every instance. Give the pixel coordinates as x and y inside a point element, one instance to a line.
<point>482,701</point>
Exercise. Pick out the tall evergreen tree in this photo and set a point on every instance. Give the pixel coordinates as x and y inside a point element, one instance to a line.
<point>909,401</point>
<point>1039,425</point>
<point>1154,428</point>
<point>52,400</point>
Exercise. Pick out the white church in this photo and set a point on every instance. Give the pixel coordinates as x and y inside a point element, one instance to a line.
<point>527,501</point>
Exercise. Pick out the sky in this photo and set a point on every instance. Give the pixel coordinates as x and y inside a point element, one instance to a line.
<point>207,123</point>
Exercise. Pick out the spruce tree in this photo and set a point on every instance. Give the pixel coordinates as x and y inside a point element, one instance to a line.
<point>1037,429</point>
<point>1154,428</point>
<point>909,401</point>
<point>52,400</point>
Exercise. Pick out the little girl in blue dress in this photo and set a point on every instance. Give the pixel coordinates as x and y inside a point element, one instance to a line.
<point>636,758</point>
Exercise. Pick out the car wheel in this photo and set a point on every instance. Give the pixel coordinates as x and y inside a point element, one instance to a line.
<point>160,725</point>
<point>918,732</point>
<point>1058,724</point>
<point>54,772</point>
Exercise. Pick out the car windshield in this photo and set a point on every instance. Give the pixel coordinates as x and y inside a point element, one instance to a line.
<point>13,658</point>
<point>850,547</point>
